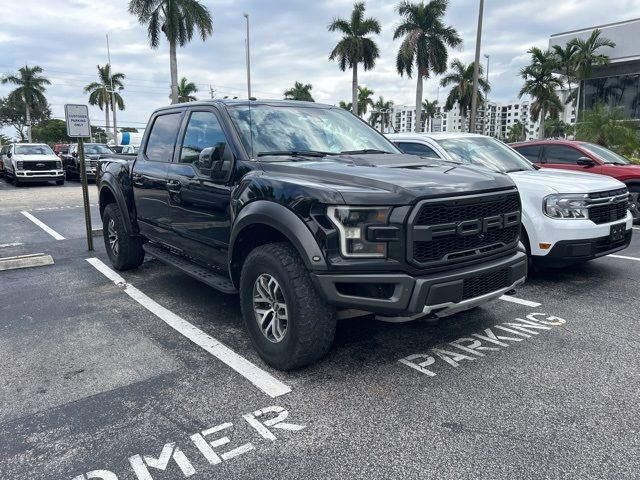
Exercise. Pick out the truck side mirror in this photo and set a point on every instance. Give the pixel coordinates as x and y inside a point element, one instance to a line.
<point>9,154</point>
<point>222,159</point>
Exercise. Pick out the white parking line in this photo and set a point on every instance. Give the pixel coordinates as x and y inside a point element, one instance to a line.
<point>260,378</point>
<point>635,259</point>
<point>520,301</point>
<point>15,244</point>
<point>636,228</point>
<point>46,228</point>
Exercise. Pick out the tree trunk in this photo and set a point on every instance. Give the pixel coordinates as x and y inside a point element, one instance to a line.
<point>354,90</point>
<point>543,114</point>
<point>462,119</point>
<point>418,118</point>
<point>28,119</point>
<point>115,125</point>
<point>173,65</point>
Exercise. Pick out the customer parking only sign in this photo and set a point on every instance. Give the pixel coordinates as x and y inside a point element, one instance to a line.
<point>77,120</point>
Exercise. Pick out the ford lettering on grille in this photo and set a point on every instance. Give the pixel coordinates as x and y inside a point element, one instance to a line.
<point>478,226</point>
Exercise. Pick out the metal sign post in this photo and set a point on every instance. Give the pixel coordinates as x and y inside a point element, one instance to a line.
<point>78,126</point>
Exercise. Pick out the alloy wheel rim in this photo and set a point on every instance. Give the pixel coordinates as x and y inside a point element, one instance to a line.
<point>270,308</point>
<point>113,236</point>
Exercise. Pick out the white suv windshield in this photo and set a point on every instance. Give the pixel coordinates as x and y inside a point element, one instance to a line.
<point>33,150</point>
<point>604,154</point>
<point>487,152</point>
<point>296,128</point>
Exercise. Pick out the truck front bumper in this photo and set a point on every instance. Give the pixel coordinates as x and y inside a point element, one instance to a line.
<point>39,175</point>
<point>567,252</point>
<point>403,297</point>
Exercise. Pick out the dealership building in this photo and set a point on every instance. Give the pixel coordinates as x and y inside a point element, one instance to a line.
<point>618,83</point>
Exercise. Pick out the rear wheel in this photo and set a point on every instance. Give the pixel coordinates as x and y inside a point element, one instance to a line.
<point>125,251</point>
<point>289,324</point>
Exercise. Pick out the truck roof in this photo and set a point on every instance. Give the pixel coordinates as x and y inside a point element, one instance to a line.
<point>232,102</point>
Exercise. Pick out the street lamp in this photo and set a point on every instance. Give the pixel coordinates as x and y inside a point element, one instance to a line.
<point>474,92</point>
<point>486,99</point>
<point>246,15</point>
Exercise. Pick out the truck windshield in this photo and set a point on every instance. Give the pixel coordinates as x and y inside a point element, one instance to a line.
<point>96,149</point>
<point>33,150</point>
<point>291,128</point>
<point>604,154</point>
<point>487,152</point>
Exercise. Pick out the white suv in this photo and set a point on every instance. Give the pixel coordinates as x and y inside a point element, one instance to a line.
<point>567,217</point>
<point>31,162</point>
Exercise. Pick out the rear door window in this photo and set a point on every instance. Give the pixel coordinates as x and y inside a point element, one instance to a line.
<point>162,138</point>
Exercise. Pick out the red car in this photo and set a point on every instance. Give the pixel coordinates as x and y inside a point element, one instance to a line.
<point>585,157</point>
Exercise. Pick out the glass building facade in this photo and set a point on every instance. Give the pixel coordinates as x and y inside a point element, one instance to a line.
<point>615,91</point>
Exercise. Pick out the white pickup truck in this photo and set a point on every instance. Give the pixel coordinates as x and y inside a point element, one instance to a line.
<point>31,162</point>
<point>567,217</point>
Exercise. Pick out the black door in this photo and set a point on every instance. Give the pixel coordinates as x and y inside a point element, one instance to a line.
<point>198,202</point>
<point>149,176</point>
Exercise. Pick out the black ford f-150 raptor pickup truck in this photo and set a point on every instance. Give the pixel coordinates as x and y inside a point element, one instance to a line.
<point>304,210</point>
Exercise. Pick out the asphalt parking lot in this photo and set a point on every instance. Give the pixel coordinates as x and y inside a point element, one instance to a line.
<point>148,374</point>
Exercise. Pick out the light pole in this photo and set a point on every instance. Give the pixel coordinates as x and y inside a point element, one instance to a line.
<point>476,69</point>
<point>246,15</point>
<point>486,100</point>
<point>113,96</point>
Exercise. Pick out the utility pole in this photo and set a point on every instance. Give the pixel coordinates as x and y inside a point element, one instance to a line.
<point>113,96</point>
<point>476,70</point>
<point>212,92</point>
<point>246,15</point>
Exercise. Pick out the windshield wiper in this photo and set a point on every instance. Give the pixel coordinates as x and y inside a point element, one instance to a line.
<point>294,153</point>
<point>364,150</point>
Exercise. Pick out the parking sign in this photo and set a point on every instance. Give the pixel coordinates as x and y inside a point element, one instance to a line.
<point>77,120</point>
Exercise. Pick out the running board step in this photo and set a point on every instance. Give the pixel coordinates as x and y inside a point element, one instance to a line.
<point>204,274</point>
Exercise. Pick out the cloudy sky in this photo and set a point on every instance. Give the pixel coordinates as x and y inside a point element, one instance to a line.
<point>289,42</point>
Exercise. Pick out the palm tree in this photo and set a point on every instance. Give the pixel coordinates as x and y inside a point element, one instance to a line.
<point>177,19</point>
<point>381,110</point>
<point>541,84</point>
<point>355,47</point>
<point>299,91</point>
<point>588,55</point>
<point>30,88</point>
<point>566,59</point>
<point>100,93</point>
<point>608,127</point>
<point>461,78</point>
<point>186,89</point>
<point>425,41</point>
<point>345,105</point>
<point>365,99</point>
<point>429,109</point>
<point>517,131</point>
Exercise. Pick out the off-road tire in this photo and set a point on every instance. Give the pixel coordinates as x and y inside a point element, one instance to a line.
<point>635,209</point>
<point>129,253</point>
<point>311,323</point>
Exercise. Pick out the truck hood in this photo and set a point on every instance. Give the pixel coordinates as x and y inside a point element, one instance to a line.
<point>548,181</point>
<point>388,179</point>
<point>34,158</point>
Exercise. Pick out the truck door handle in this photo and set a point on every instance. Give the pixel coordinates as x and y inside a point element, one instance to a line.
<point>138,180</point>
<point>173,185</point>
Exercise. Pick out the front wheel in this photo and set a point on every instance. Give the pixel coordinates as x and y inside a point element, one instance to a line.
<point>289,324</point>
<point>125,251</point>
<point>635,204</point>
<point>16,180</point>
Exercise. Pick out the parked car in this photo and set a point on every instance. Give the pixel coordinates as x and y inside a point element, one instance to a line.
<point>3,150</point>
<point>303,209</point>
<point>92,153</point>
<point>61,149</point>
<point>585,157</point>
<point>31,162</point>
<point>567,217</point>
<point>130,149</point>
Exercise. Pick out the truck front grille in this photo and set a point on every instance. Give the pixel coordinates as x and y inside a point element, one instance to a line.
<point>608,206</point>
<point>459,229</point>
<point>483,284</point>
<point>40,165</point>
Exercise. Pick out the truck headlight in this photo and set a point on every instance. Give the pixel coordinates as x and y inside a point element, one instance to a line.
<point>352,224</point>
<point>566,206</point>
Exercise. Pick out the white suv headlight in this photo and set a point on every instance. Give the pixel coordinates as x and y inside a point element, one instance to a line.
<point>573,206</point>
<point>352,224</point>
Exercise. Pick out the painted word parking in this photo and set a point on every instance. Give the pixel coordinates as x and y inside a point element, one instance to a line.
<point>477,344</point>
<point>206,442</point>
